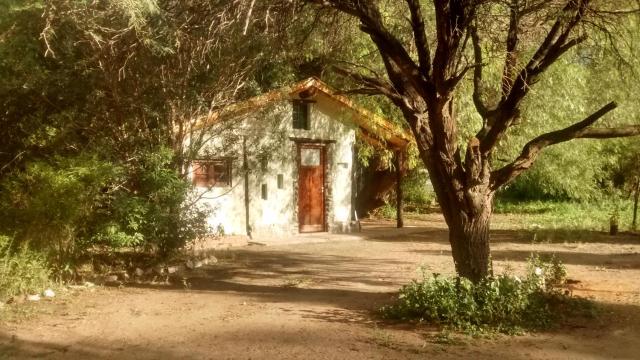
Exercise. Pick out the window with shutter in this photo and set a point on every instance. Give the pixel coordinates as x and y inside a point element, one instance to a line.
<point>212,173</point>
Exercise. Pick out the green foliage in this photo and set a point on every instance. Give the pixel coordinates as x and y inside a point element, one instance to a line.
<point>504,303</point>
<point>21,270</point>
<point>568,216</point>
<point>386,211</point>
<point>416,188</point>
<point>69,205</point>
<point>91,157</point>
<point>417,192</point>
<point>161,214</point>
<point>49,203</point>
<point>580,83</point>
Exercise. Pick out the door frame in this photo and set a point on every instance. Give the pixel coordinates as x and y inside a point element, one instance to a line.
<point>321,145</point>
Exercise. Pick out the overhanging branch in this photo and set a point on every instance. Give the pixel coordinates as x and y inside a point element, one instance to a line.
<point>390,47</point>
<point>381,86</point>
<point>580,130</point>
<point>557,42</point>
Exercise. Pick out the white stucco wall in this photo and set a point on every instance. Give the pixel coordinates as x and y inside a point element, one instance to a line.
<point>268,135</point>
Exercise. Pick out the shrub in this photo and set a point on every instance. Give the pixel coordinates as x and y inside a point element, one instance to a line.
<point>159,214</point>
<point>65,207</point>
<point>21,271</point>
<point>417,189</point>
<point>504,303</point>
<point>50,205</point>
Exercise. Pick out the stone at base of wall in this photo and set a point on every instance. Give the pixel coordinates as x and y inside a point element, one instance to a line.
<point>344,228</point>
<point>218,243</point>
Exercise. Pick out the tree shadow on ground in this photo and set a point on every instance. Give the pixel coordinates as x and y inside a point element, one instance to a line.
<point>613,334</point>
<point>342,289</point>
<point>14,348</point>
<point>628,261</point>
<point>347,299</point>
<point>343,270</point>
<point>354,283</point>
<point>542,236</point>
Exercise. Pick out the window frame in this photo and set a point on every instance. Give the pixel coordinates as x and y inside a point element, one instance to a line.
<point>211,178</point>
<point>301,114</point>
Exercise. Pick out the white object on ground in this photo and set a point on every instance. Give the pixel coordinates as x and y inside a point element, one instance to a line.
<point>48,293</point>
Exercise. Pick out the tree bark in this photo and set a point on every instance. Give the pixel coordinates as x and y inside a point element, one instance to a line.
<point>469,239</point>
<point>462,188</point>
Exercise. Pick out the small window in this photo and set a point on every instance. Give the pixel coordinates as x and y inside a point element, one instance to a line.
<point>263,189</point>
<point>264,163</point>
<point>212,173</point>
<point>280,181</point>
<point>301,115</point>
<point>310,157</point>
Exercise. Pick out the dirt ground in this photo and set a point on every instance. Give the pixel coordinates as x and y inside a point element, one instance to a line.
<point>318,301</point>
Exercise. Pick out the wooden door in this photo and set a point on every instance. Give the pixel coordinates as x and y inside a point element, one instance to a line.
<point>311,188</point>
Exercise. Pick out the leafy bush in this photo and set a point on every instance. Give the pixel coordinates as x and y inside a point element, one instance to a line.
<point>67,206</point>
<point>21,271</point>
<point>50,205</point>
<point>417,188</point>
<point>504,303</point>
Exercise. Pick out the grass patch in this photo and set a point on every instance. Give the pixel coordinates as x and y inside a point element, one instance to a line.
<point>593,216</point>
<point>21,271</point>
<point>502,304</point>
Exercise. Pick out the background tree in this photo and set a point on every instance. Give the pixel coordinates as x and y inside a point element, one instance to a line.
<point>425,66</point>
<point>98,100</point>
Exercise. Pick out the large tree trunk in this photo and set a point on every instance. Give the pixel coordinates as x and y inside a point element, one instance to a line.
<point>462,188</point>
<point>469,238</point>
<point>468,222</point>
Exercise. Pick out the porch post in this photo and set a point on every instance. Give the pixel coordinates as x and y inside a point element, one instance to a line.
<point>245,171</point>
<point>398,164</point>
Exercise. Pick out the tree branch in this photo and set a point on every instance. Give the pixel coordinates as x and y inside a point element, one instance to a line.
<point>580,130</point>
<point>389,46</point>
<point>420,37</point>
<point>555,44</point>
<point>511,59</point>
<point>382,87</point>
<point>452,17</point>
<point>481,107</point>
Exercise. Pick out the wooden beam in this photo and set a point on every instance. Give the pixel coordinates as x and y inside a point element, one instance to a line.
<point>399,204</point>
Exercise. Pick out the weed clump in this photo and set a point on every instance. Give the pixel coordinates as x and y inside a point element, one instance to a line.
<point>22,271</point>
<point>501,304</point>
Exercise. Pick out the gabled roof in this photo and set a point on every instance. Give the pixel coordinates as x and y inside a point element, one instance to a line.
<point>374,128</point>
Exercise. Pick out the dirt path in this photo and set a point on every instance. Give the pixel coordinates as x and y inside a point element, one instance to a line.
<point>315,301</point>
